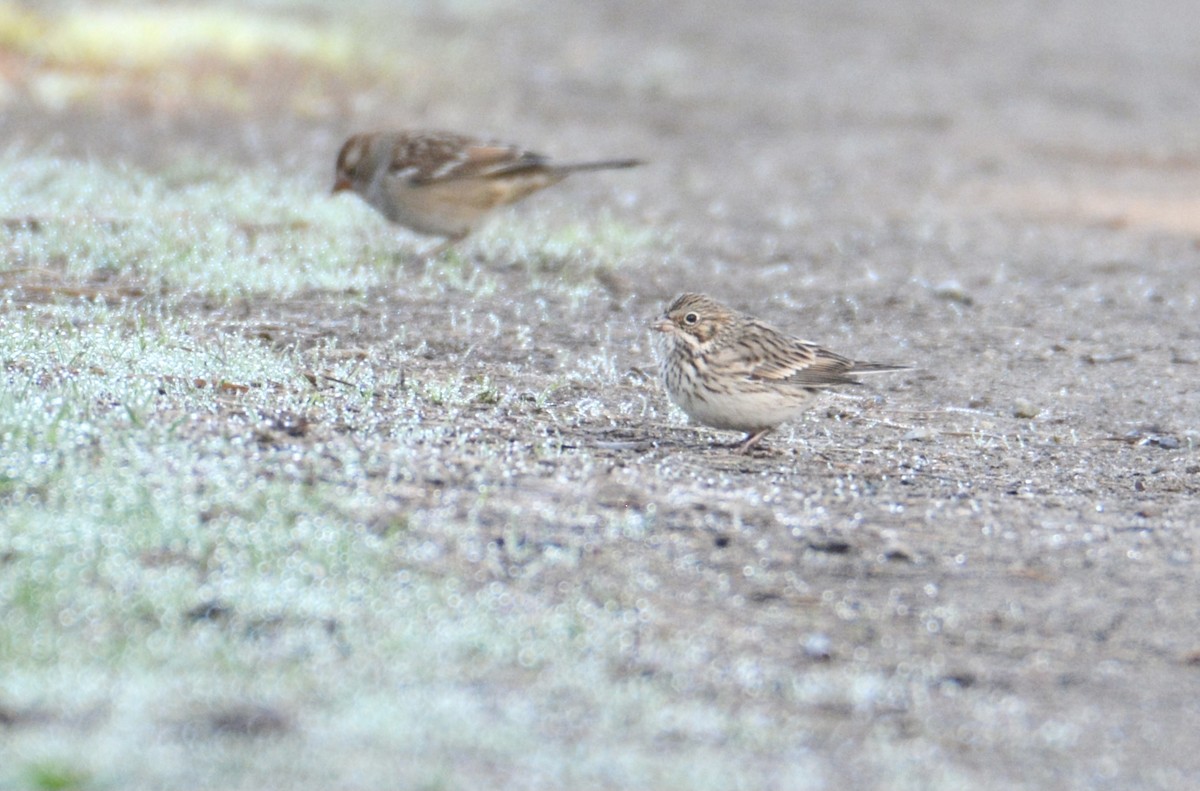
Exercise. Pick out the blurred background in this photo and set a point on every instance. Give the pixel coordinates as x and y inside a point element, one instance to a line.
<point>1003,192</point>
<point>763,123</point>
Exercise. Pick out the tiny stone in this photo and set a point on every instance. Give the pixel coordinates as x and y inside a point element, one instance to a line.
<point>953,292</point>
<point>1024,409</point>
<point>818,646</point>
<point>897,551</point>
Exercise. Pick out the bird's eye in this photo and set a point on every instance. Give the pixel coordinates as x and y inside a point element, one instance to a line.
<point>690,319</point>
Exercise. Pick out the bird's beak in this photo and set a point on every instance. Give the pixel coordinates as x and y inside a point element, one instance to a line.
<point>662,325</point>
<point>341,185</point>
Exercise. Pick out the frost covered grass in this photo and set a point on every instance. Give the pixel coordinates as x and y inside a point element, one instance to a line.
<point>206,554</point>
<point>220,543</point>
<point>223,232</point>
<point>210,231</point>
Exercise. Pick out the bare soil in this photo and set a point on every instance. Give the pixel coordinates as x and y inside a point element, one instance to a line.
<point>1000,194</point>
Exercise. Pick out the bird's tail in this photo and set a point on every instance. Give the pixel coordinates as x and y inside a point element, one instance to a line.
<point>876,368</point>
<point>604,164</point>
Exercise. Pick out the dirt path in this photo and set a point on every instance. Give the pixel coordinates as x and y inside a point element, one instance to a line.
<point>981,573</point>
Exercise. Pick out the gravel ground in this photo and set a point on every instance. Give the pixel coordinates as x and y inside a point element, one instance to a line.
<point>980,573</point>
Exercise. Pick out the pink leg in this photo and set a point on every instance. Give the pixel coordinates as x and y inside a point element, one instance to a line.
<point>437,250</point>
<point>751,440</point>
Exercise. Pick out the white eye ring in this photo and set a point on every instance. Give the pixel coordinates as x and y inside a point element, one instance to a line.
<point>691,318</point>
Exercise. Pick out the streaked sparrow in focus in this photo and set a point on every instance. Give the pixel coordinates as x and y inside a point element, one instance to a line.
<point>728,370</point>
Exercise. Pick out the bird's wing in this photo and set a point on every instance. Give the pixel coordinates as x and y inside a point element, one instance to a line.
<point>781,358</point>
<point>806,365</point>
<point>480,161</point>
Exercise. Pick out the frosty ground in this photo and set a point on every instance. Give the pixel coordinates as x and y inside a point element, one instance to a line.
<point>285,505</point>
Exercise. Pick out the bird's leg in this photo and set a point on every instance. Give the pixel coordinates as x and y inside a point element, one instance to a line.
<point>426,258</point>
<point>438,249</point>
<point>751,440</point>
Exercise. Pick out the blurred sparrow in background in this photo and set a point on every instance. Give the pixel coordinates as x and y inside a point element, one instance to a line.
<point>443,184</point>
<point>728,370</point>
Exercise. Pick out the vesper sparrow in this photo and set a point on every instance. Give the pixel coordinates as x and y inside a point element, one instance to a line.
<point>728,370</point>
<point>443,184</point>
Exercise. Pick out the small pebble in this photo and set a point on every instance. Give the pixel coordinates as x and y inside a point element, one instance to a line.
<point>951,291</point>
<point>1024,409</point>
<point>818,646</point>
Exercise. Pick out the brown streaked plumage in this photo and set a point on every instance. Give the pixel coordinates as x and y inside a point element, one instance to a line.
<point>443,184</point>
<point>728,370</point>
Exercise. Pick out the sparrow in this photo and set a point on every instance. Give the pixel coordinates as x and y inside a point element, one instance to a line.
<point>443,184</point>
<point>729,370</point>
